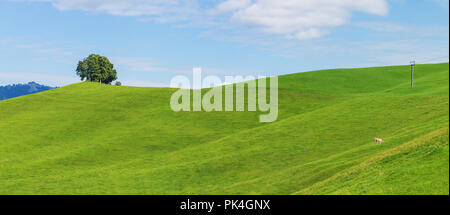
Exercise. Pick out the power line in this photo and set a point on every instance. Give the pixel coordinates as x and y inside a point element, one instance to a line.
<point>413,63</point>
<point>433,59</point>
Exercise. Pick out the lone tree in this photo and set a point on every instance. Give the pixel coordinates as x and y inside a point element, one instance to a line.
<point>96,68</point>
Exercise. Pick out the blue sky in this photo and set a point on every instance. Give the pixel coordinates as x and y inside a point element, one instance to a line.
<point>151,41</point>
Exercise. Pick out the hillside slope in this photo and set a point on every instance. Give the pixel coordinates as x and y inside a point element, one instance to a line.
<point>89,138</point>
<point>419,166</point>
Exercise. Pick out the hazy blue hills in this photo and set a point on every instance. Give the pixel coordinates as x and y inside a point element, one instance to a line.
<point>15,90</point>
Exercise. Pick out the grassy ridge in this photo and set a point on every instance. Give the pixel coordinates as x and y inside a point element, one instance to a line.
<point>94,139</point>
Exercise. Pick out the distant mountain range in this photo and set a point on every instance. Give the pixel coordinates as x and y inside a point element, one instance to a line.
<point>15,90</point>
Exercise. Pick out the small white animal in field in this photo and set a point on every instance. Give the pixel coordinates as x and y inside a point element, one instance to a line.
<point>378,140</point>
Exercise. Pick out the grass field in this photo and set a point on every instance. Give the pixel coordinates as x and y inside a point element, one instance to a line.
<point>90,138</point>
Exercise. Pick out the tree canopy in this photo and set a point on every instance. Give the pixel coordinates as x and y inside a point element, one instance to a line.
<point>96,68</point>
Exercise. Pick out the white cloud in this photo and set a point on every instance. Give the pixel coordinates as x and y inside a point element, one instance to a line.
<point>230,5</point>
<point>160,10</point>
<point>148,65</point>
<point>28,46</point>
<point>7,77</point>
<point>411,29</point>
<point>443,3</point>
<point>135,83</point>
<point>301,19</point>
<point>6,41</point>
<point>142,64</point>
<point>135,64</point>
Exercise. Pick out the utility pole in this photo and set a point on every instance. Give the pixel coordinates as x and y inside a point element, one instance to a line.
<point>413,63</point>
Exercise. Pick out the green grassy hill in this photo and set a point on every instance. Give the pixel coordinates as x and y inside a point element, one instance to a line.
<point>90,138</point>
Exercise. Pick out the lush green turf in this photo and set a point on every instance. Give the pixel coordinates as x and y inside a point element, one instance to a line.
<point>95,139</point>
<point>419,166</point>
